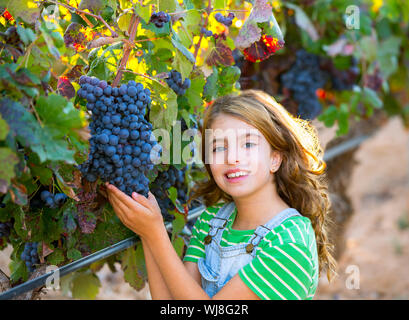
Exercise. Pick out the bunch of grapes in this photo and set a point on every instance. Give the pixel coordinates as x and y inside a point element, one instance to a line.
<point>174,81</point>
<point>30,255</point>
<point>303,79</point>
<point>159,18</point>
<point>120,143</point>
<point>172,177</point>
<point>5,229</point>
<point>226,20</point>
<point>341,79</point>
<point>53,200</point>
<point>207,33</point>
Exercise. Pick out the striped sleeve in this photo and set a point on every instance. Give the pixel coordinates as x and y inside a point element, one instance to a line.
<point>280,272</point>
<point>195,249</point>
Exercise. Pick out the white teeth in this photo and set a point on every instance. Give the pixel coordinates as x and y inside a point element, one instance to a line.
<point>236,174</point>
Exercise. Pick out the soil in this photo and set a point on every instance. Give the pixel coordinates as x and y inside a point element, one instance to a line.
<point>374,262</point>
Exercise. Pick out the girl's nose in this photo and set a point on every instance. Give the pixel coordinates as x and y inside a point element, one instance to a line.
<point>233,155</point>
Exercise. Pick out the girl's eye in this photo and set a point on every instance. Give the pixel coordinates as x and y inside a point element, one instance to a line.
<point>251,143</point>
<point>214,150</point>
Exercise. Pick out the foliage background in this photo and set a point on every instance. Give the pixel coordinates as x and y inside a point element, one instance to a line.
<point>43,125</point>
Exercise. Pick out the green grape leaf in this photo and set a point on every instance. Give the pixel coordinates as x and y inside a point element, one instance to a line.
<point>329,116</point>
<point>229,75</point>
<point>178,245</point>
<point>4,128</point>
<point>182,49</point>
<point>27,10</point>
<point>8,159</point>
<point>387,55</point>
<point>166,5</point>
<point>124,20</point>
<point>173,194</point>
<point>18,271</point>
<point>163,114</point>
<point>370,97</point>
<point>85,285</point>
<point>56,257</point>
<point>183,65</point>
<point>129,264</point>
<point>26,34</point>
<point>343,116</point>
<point>193,93</point>
<point>211,88</point>
<point>92,5</point>
<point>143,11</point>
<point>68,118</point>
<point>74,254</point>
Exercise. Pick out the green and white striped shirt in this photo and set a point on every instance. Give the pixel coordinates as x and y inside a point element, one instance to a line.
<point>286,261</point>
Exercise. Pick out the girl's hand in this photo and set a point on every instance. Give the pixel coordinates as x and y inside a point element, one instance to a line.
<point>140,214</point>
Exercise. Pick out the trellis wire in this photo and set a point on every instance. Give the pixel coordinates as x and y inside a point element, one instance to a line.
<point>127,243</point>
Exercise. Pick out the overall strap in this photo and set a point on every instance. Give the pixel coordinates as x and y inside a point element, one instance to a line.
<point>262,230</point>
<point>219,221</point>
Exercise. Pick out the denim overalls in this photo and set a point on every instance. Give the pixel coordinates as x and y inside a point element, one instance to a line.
<point>220,264</point>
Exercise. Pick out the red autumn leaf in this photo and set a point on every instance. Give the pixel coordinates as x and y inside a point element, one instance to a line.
<point>220,54</point>
<point>262,49</point>
<point>65,88</point>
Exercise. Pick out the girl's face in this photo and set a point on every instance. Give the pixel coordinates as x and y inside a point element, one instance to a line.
<point>237,146</point>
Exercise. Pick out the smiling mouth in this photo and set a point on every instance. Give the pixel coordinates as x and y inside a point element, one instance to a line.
<point>236,176</point>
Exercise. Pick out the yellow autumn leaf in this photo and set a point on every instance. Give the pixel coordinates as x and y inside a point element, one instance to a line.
<point>376,5</point>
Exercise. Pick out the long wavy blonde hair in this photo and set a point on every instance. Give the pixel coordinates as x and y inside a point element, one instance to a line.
<point>300,181</point>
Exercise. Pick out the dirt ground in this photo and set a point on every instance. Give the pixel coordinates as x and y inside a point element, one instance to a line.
<point>374,263</point>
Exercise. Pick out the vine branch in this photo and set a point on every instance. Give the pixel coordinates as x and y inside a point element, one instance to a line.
<point>208,10</point>
<point>82,13</point>
<point>133,27</point>
<point>145,76</point>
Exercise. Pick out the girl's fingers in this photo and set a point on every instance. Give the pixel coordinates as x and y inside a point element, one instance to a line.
<point>121,210</point>
<point>141,199</point>
<point>128,201</point>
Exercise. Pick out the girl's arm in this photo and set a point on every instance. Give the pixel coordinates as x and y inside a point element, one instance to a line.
<point>157,285</point>
<point>143,216</point>
<point>181,283</point>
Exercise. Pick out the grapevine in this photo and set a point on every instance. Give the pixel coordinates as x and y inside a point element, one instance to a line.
<point>120,145</point>
<point>87,85</point>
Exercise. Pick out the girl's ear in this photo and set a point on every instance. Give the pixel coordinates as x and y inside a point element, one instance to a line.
<point>276,159</point>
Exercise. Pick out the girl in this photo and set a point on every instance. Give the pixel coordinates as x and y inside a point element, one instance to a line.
<point>263,234</point>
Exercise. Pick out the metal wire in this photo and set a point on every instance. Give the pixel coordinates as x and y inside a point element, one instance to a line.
<point>127,243</point>
<point>86,261</point>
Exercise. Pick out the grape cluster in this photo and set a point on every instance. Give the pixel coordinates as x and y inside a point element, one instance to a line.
<point>159,18</point>
<point>207,33</point>
<point>5,228</point>
<point>341,79</point>
<point>120,143</point>
<point>174,81</point>
<point>226,20</point>
<point>30,255</point>
<point>53,200</point>
<point>172,177</point>
<point>303,79</point>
